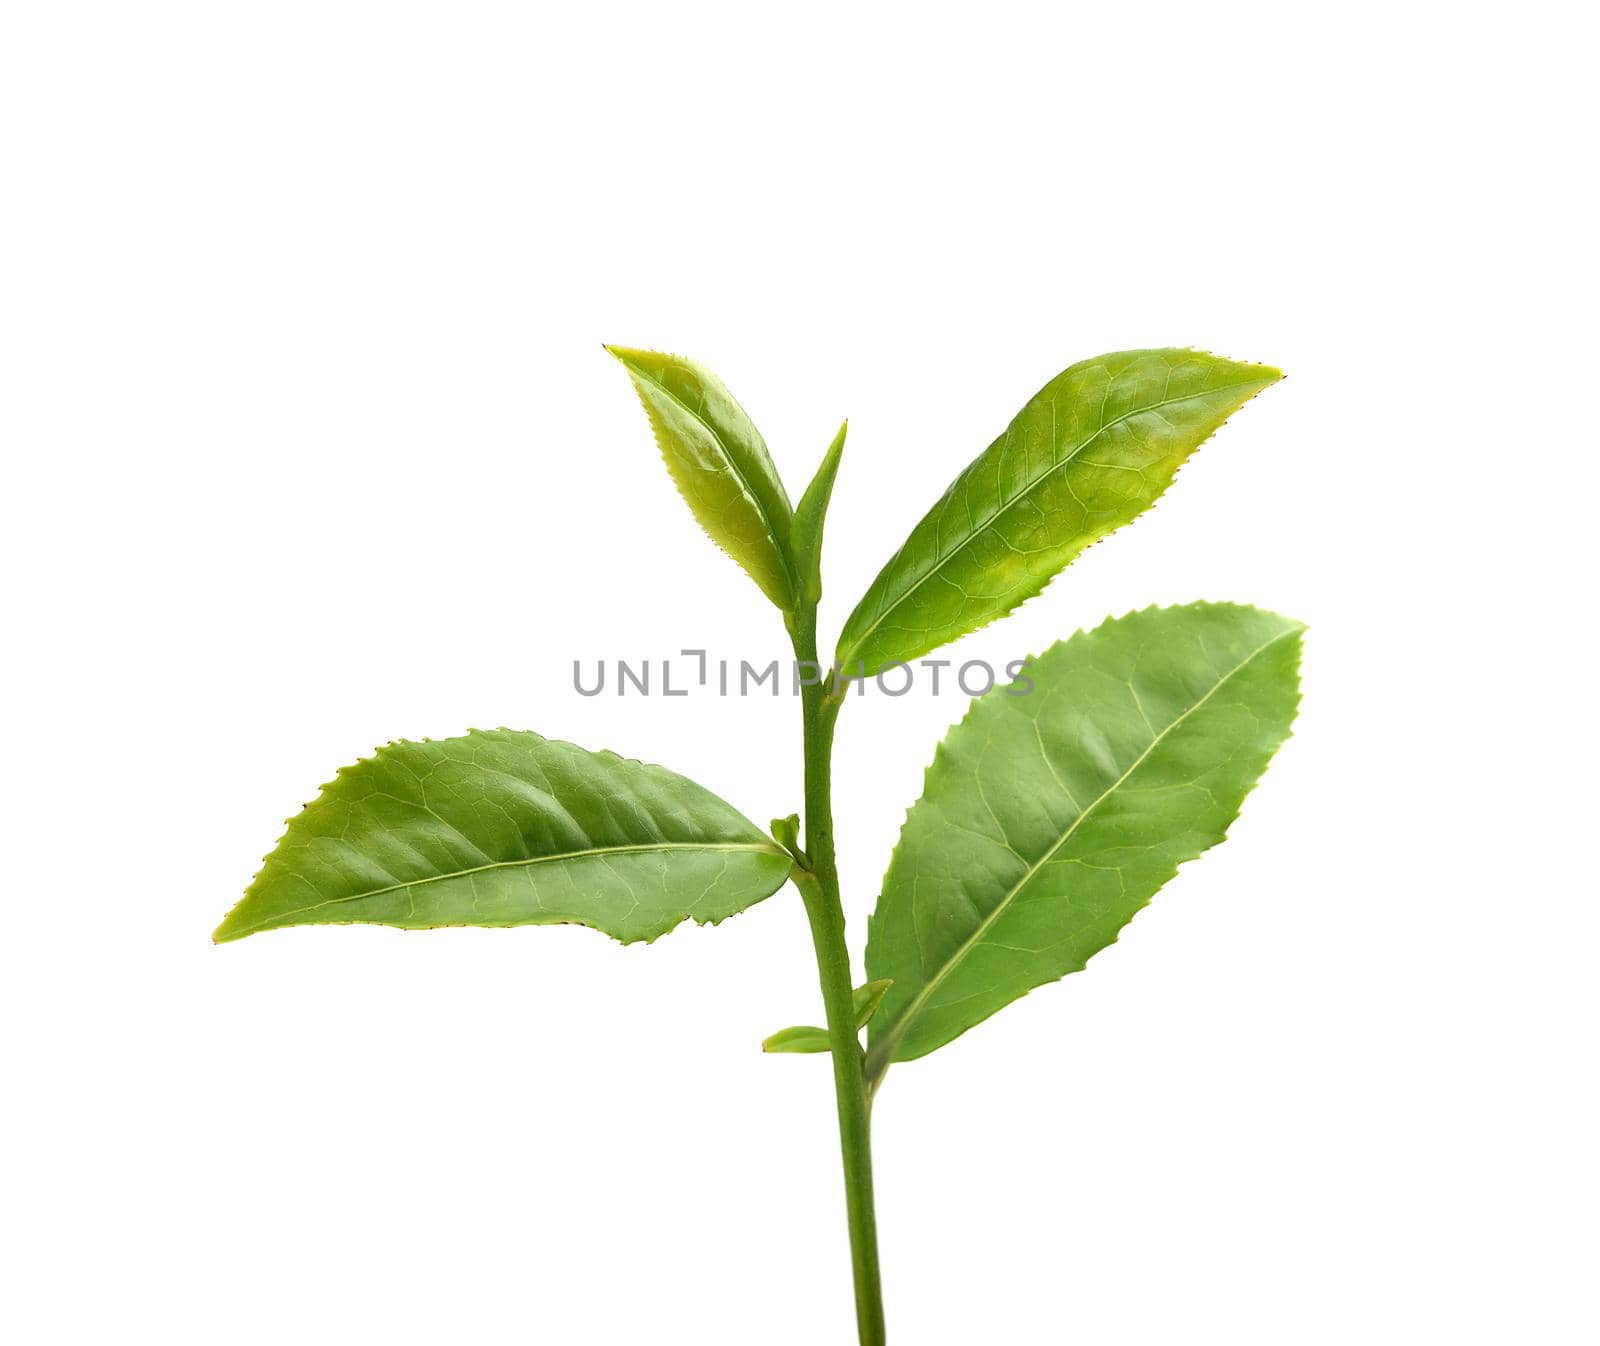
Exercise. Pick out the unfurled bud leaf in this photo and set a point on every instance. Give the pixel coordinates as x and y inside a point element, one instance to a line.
<point>864,1000</point>
<point>720,464</point>
<point>786,832</point>
<point>809,517</point>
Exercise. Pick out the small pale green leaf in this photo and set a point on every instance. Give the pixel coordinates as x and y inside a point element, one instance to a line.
<point>803,1039</point>
<point>1094,448</point>
<point>864,999</point>
<point>867,998</point>
<point>1049,818</point>
<point>505,828</point>
<point>809,517</point>
<point>720,464</point>
<point>786,831</point>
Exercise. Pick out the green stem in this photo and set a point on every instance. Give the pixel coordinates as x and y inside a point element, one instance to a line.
<point>819,887</point>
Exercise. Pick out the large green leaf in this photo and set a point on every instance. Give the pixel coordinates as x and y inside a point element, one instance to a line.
<point>506,828</point>
<point>720,464</point>
<point>1049,818</point>
<point>1096,446</point>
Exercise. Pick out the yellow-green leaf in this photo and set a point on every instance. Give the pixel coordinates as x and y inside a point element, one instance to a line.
<point>810,515</point>
<point>864,1000</point>
<point>1093,448</point>
<point>720,464</point>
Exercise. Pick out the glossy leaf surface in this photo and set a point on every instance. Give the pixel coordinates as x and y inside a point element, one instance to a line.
<point>1047,820</point>
<point>505,828</point>
<point>1094,447</point>
<point>720,464</point>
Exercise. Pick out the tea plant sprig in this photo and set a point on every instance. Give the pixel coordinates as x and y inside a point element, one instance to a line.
<point>1051,814</point>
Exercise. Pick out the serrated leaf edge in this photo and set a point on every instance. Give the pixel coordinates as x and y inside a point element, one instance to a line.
<point>607,754</point>
<point>880,1058</point>
<point>779,541</point>
<point>1046,581</point>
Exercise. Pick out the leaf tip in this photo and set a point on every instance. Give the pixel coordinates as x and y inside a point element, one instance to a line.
<point>626,356</point>
<point>635,359</point>
<point>1262,375</point>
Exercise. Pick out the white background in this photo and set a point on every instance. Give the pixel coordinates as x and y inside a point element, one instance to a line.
<point>310,443</point>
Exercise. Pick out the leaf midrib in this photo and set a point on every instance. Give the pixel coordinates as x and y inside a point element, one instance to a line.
<point>879,1056</point>
<point>977,532</point>
<point>745,488</point>
<point>528,861</point>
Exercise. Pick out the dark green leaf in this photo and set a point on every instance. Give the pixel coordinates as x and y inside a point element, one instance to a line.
<point>1048,819</point>
<point>720,464</point>
<point>503,828</point>
<point>1096,446</point>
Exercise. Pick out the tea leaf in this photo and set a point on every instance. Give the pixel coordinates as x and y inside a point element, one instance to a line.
<point>809,516</point>
<point>720,464</point>
<point>864,999</point>
<point>786,832</point>
<point>1095,446</point>
<point>800,1040</point>
<point>505,828</point>
<point>1048,819</point>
